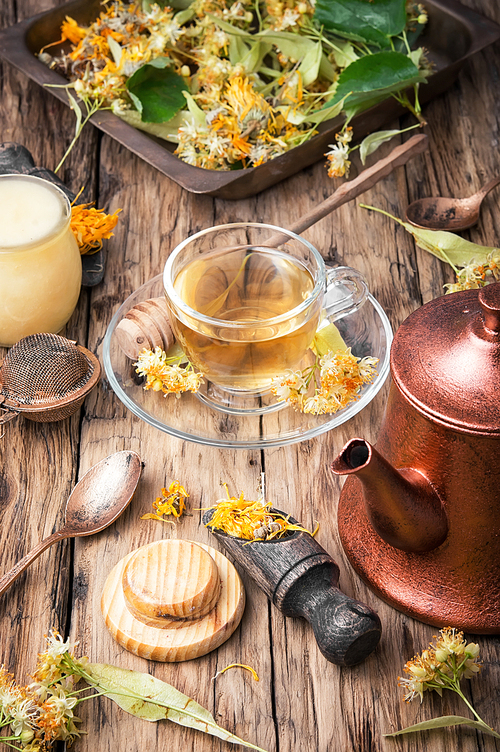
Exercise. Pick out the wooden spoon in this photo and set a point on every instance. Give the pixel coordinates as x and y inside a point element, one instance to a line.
<point>439,213</point>
<point>96,501</point>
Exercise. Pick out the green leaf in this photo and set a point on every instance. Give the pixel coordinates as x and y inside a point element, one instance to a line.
<point>197,115</point>
<point>295,47</point>
<point>183,16</point>
<point>373,141</point>
<point>376,76</point>
<point>325,113</point>
<point>77,110</point>
<point>327,339</point>
<point>159,90</point>
<point>344,54</point>
<point>167,131</point>
<point>252,61</point>
<point>115,49</point>
<point>310,65</point>
<point>237,49</point>
<point>447,246</point>
<point>446,720</point>
<point>326,69</point>
<point>151,699</point>
<point>373,22</point>
<point>229,28</point>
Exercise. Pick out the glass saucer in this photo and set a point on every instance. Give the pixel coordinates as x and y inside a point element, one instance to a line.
<point>367,331</point>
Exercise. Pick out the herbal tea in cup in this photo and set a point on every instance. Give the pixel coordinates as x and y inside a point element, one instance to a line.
<point>245,302</point>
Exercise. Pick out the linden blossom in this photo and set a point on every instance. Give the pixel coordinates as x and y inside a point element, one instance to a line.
<point>341,377</point>
<point>442,666</point>
<point>236,84</point>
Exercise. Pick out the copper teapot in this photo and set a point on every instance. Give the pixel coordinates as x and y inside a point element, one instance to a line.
<point>419,515</point>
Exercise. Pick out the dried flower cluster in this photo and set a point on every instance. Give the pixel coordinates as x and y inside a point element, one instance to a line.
<point>341,376</point>
<point>42,712</point>
<point>171,502</point>
<point>475,265</point>
<point>442,666</point>
<point>337,158</point>
<point>37,716</point>
<point>91,226</point>
<point>250,520</point>
<point>476,274</point>
<point>236,83</point>
<point>448,660</point>
<point>162,376</point>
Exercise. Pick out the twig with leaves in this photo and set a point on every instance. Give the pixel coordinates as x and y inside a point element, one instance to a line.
<point>447,661</point>
<point>38,715</point>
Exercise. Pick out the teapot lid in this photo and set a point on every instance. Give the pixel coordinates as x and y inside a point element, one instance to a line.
<point>445,360</point>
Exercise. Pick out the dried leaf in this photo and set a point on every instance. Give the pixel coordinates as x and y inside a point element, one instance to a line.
<point>151,699</point>
<point>447,246</point>
<point>373,141</point>
<point>446,720</point>
<point>327,339</point>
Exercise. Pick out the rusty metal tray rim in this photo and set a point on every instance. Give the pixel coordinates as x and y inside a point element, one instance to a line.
<point>238,183</point>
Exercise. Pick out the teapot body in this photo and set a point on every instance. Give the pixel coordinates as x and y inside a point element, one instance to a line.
<point>441,424</point>
<point>458,583</point>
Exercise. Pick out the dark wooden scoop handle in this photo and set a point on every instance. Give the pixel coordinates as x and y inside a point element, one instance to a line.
<point>346,630</point>
<point>301,578</point>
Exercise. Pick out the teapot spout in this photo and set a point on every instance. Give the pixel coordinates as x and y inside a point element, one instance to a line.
<point>402,506</point>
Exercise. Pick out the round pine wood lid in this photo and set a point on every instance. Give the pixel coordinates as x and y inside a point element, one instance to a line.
<point>173,600</point>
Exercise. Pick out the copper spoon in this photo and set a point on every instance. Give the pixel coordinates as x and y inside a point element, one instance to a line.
<point>439,213</point>
<point>96,501</point>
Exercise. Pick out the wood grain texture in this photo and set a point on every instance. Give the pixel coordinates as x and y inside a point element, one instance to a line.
<point>301,701</point>
<point>172,600</point>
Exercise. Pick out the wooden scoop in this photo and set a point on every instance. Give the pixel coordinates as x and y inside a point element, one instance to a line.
<point>301,579</point>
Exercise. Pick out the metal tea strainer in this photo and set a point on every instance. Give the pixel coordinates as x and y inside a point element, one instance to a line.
<point>46,377</point>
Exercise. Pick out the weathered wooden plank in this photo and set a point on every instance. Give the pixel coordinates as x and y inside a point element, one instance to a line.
<point>300,698</point>
<point>39,461</point>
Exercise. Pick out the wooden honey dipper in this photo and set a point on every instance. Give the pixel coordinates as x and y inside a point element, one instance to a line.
<point>146,325</point>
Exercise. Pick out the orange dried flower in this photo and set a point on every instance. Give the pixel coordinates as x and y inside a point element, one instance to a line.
<point>171,502</point>
<point>250,520</point>
<point>91,226</point>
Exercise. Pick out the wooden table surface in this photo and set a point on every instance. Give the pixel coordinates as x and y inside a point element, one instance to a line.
<point>301,700</point>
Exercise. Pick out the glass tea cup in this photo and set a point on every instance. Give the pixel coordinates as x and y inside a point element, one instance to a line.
<point>245,301</point>
<point>40,262</point>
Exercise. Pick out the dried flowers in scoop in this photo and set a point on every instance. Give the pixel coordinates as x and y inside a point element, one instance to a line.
<point>447,661</point>
<point>249,519</point>
<point>42,713</point>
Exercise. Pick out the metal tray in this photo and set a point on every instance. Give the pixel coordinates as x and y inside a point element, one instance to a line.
<point>452,35</point>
